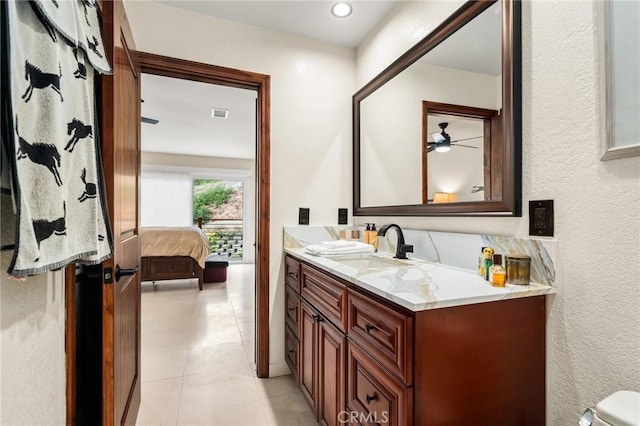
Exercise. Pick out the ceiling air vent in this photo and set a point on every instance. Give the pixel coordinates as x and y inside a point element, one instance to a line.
<point>219,113</point>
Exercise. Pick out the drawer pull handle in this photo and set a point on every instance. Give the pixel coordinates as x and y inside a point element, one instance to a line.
<point>291,351</point>
<point>317,318</point>
<point>292,274</point>
<point>370,398</point>
<point>368,327</point>
<point>292,309</point>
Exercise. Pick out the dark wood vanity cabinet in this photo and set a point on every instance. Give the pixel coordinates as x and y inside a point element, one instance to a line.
<point>321,345</point>
<point>363,360</point>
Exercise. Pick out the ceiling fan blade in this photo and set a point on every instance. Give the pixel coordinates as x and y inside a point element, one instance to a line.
<point>149,120</point>
<point>466,146</point>
<point>468,139</point>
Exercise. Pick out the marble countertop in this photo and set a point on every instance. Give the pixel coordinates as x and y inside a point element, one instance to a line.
<point>415,284</point>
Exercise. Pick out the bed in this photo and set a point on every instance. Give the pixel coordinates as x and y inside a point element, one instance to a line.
<point>170,253</point>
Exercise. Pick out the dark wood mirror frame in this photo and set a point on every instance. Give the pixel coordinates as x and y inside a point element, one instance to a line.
<point>510,184</point>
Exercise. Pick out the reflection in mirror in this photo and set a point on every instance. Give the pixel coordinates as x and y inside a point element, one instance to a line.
<point>467,61</point>
<point>457,144</point>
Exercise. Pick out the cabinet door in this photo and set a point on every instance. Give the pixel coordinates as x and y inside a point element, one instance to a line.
<point>331,373</point>
<point>373,395</point>
<point>308,353</point>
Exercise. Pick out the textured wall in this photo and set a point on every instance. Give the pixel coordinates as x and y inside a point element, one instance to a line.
<point>311,87</point>
<point>594,322</point>
<point>32,357</point>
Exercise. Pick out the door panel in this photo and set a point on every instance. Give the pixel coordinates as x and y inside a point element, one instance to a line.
<point>121,159</point>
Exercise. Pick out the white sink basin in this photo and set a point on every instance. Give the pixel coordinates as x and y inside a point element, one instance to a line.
<point>368,262</point>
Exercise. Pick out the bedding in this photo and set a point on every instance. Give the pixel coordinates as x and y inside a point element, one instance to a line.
<point>175,241</point>
<point>169,253</point>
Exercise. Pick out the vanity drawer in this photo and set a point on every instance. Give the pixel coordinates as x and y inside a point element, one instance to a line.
<point>386,334</point>
<point>373,396</point>
<point>292,354</point>
<point>292,312</point>
<point>328,295</point>
<point>292,273</point>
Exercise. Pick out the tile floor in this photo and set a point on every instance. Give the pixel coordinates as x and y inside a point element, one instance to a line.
<point>197,358</point>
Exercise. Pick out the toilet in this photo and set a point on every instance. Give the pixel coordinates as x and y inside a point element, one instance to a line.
<point>621,408</point>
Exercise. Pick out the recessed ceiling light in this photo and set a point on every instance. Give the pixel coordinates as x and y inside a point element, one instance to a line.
<point>341,10</point>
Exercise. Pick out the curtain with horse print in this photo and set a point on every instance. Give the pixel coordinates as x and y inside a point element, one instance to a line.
<point>51,50</point>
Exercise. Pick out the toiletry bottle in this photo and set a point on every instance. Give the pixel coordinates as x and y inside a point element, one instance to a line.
<point>373,240</point>
<point>488,261</point>
<point>481,262</point>
<point>367,234</point>
<point>497,273</point>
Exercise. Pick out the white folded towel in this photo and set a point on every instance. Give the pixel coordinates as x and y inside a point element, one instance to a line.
<point>340,247</point>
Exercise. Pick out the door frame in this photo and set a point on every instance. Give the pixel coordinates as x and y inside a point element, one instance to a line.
<point>205,73</point>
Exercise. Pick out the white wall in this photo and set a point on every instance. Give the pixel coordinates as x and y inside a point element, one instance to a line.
<point>32,356</point>
<point>593,324</point>
<point>166,199</point>
<point>311,87</point>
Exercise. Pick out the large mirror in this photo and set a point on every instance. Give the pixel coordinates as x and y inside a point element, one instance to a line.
<point>438,132</point>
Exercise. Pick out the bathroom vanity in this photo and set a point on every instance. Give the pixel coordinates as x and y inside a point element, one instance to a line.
<point>365,350</point>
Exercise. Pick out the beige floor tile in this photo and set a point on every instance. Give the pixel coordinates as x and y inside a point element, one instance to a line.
<point>276,386</point>
<point>206,337</point>
<point>160,403</point>
<point>288,410</point>
<point>162,364</point>
<point>203,394</point>
<point>202,359</point>
<point>247,414</point>
<point>164,340</point>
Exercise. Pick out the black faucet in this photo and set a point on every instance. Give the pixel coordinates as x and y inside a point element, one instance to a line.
<point>402,249</point>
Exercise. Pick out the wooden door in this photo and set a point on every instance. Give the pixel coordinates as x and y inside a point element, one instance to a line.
<point>331,374</point>
<point>121,159</point>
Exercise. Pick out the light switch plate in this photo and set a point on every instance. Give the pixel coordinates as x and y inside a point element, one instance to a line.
<point>303,216</point>
<point>541,218</point>
<point>342,216</point>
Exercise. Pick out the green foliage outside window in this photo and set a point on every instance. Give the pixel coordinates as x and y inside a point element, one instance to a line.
<point>205,200</point>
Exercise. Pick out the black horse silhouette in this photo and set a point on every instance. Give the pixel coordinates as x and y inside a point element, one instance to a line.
<point>44,228</point>
<point>89,188</point>
<point>79,130</point>
<point>94,46</point>
<point>40,80</point>
<point>40,153</point>
<point>81,72</point>
<point>86,4</point>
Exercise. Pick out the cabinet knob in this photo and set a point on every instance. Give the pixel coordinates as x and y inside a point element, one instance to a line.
<point>370,398</point>
<point>317,318</point>
<point>368,327</point>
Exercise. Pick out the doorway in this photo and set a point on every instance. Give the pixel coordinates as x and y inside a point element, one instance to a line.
<point>177,68</point>
<point>205,73</point>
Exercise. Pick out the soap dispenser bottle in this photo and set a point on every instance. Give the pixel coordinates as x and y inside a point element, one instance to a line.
<point>373,239</point>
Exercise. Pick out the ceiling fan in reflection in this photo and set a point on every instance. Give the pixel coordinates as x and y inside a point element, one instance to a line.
<point>442,141</point>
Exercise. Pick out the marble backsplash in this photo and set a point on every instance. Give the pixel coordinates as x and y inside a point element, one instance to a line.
<point>452,249</point>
